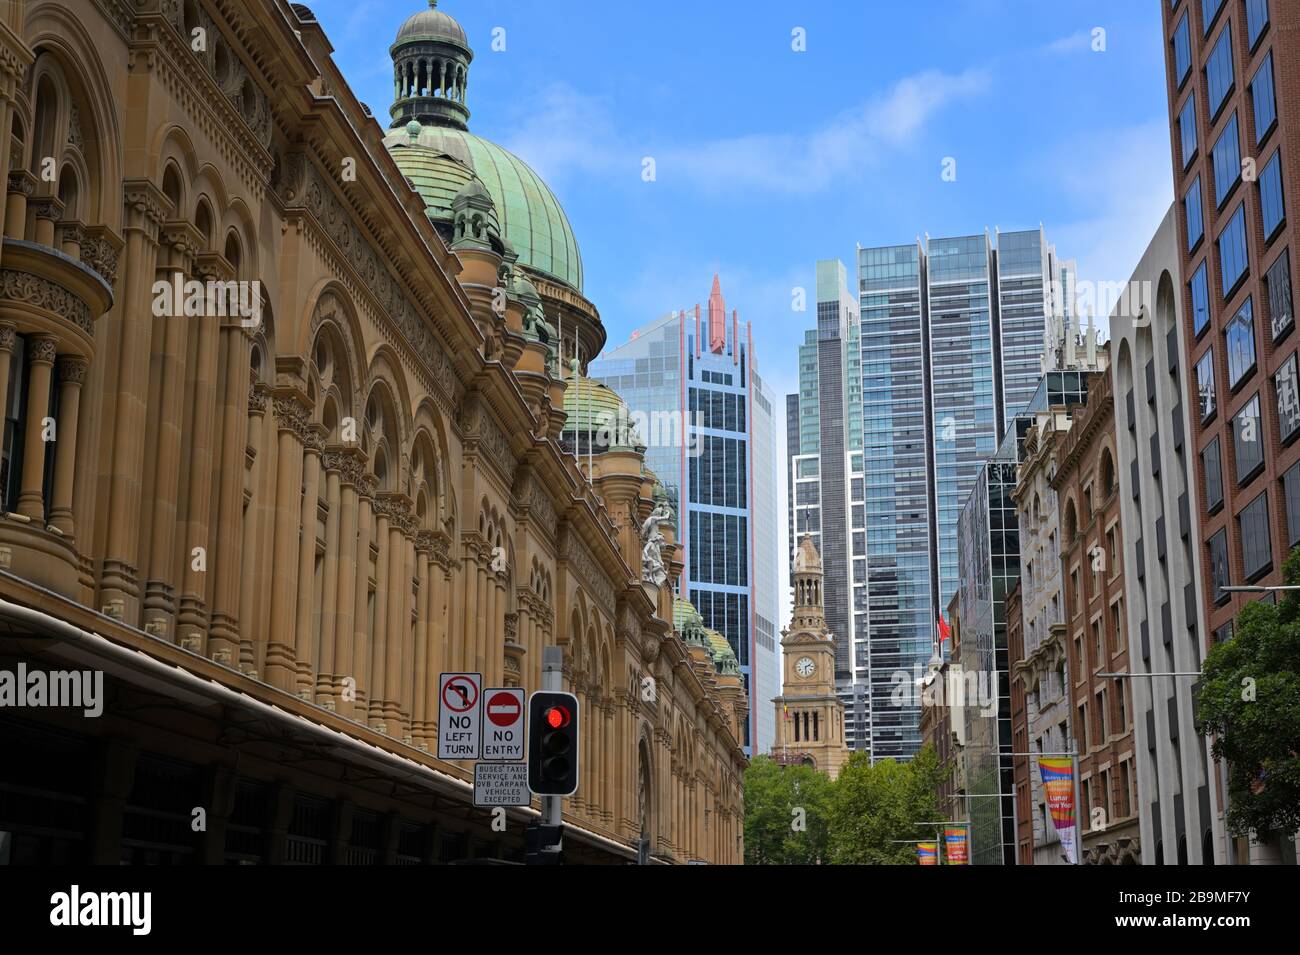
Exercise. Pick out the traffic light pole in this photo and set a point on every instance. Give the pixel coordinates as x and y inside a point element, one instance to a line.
<point>552,680</point>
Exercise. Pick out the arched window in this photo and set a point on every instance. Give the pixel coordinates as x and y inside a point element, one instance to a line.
<point>1107,474</point>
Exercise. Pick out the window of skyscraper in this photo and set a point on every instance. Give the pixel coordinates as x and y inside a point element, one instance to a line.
<point>1280,310</point>
<point>1205,385</point>
<point>1218,72</point>
<point>1291,492</point>
<point>1227,162</point>
<point>1218,554</point>
<point>1287,389</point>
<point>1209,10</point>
<point>1212,468</point>
<point>1248,441</point>
<point>1194,212</point>
<point>1264,99</point>
<point>1187,129</point>
<point>1256,544</point>
<point>1182,51</point>
<point>1271,203</point>
<point>1240,343</point>
<point>1199,288</point>
<point>1232,251</point>
<point>1256,20</point>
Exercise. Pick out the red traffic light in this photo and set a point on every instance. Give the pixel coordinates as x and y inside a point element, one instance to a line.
<point>556,717</point>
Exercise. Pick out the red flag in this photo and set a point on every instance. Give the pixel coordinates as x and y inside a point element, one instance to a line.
<point>944,632</point>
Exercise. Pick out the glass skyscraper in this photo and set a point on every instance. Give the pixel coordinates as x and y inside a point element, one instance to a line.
<point>931,357</point>
<point>698,403</point>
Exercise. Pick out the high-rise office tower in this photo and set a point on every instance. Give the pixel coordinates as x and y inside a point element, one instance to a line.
<point>824,448</point>
<point>698,403</point>
<point>1234,112</point>
<point>906,387</point>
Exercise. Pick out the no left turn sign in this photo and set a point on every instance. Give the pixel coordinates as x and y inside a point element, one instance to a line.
<point>458,715</point>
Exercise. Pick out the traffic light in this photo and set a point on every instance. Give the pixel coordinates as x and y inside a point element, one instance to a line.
<point>553,743</point>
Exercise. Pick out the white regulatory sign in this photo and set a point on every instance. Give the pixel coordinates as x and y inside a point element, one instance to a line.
<point>459,708</point>
<point>503,724</point>
<point>501,784</point>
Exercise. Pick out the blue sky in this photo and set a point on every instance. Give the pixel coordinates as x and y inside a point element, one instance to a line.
<point>768,159</point>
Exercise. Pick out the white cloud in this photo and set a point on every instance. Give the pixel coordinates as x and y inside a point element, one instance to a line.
<point>1121,182</point>
<point>566,133</point>
<point>1074,43</point>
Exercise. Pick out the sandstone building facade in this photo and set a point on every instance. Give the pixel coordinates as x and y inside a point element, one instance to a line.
<point>272,513</point>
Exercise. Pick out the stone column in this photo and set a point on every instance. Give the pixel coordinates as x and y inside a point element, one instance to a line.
<point>379,634</point>
<point>192,620</point>
<point>291,424</point>
<point>462,644</point>
<point>227,622</point>
<point>72,374</point>
<point>398,586</point>
<point>45,212</point>
<point>339,656</point>
<point>308,610</point>
<point>424,611</point>
<point>21,187</point>
<point>163,438</point>
<point>361,627</point>
<point>404,686</point>
<point>250,623</point>
<point>125,351</point>
<point>321,688</point>
<point>478,635</point>
<point>40,362</point>
<point>8,335</point>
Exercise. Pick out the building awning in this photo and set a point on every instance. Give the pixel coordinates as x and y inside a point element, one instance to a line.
<point>142,670</point>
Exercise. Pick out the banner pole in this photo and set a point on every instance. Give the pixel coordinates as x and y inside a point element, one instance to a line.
<point>1078,810</point>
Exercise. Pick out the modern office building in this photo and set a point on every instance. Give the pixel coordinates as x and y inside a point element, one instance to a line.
<point>1180,797</point>
<point>988,536</point>
<point>1234,110</point>
<point>698,403</point>
<point>824,448</point>
<point>905,389</point>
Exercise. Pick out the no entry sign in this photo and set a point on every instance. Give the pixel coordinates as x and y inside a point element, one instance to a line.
<point>458,715</point>
<point>503,727</point>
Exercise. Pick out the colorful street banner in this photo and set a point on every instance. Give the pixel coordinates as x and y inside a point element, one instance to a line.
<point>955,839</point>
<point>927,853</point>
<point>1058,785</point>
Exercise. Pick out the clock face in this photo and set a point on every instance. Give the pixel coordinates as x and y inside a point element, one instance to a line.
<point>805,667</point>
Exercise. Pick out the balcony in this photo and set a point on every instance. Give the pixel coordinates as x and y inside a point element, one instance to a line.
<point>49,302</point>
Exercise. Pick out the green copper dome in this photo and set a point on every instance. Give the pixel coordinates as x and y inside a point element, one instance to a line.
<point>591,407</point>
<point>724,658</point>
<point>442,159</point>
<point>432,24</point>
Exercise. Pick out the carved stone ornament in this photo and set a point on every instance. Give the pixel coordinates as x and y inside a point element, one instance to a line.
<point>653,570</point>
<point>40,292</point>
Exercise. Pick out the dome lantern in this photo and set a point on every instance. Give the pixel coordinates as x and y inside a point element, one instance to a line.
<point>431,58</point>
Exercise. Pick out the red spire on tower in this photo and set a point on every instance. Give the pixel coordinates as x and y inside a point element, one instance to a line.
<point>717,318</point>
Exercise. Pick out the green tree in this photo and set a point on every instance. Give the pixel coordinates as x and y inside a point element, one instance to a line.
<point>875,807</point>
<point>786,814</point>
<point>1249,701</point>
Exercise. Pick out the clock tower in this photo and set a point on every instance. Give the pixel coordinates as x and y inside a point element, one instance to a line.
<point>809,716</point>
